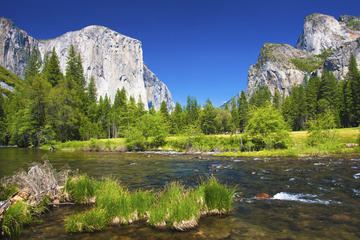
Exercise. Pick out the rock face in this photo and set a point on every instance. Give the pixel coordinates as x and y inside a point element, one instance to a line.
<point>276,69</point>
<point>115,60</point>
<point>15,46</point>
<point>157,92</point>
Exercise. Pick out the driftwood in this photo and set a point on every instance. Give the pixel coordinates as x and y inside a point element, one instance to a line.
<point>40,180</point>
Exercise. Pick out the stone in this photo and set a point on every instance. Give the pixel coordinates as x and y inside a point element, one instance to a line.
<point>340,218</point>
<point>115,60</point>
<point>262,196</point>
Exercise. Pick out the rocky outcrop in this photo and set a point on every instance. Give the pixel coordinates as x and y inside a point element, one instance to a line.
<point>15,46</point>
<point>275,69</point>
<point>325,43</point>
<point>115,60</point>
<point>157,91</point>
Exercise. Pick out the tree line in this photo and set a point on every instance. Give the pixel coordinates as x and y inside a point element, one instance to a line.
<point>54,106</point>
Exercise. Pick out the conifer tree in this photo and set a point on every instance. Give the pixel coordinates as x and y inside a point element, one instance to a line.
<point>207,120</point>
<point>33,64</point>
<point>243,109</point>
<point>51,71</point>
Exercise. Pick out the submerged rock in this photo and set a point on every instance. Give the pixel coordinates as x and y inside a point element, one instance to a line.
<point>340,218</point>
<point>262,196</point>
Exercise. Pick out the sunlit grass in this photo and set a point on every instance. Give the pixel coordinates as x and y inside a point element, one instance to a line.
<point>89,221</point>
<point>15,217</point>
<point>81,188</point>
<point>174,207</point>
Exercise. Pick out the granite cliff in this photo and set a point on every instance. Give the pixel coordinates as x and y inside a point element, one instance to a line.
<point>325,43</point>
<point>113,59</point>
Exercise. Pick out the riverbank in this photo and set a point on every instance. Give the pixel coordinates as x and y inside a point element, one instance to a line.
<point>346,142</point>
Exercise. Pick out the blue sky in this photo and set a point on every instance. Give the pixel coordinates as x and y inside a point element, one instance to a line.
<point>199,47</point>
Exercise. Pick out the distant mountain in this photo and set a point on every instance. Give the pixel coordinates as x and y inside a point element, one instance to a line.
<point>325,43</point>
<point>113,59</point>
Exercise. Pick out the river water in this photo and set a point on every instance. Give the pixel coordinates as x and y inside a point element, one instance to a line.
<point>312,198</point>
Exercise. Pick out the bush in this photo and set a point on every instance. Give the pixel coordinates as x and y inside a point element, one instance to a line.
<point>320,130</point>
<point>89,221</point>
<point>15,217</point>
<point>135,140</point>
<point>266,128</point>
<point>80,188</point>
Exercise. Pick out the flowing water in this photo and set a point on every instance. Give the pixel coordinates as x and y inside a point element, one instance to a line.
<point>312,198</point>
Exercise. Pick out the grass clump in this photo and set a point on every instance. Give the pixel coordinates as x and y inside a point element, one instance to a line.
<point>7,191</point>
<point>141,202</point>
<point>218,198</point>
<point>89,221</point>
<point>176,208</point>
<point>81,188</point>
<point>115,200</point>
<point>16,216</point>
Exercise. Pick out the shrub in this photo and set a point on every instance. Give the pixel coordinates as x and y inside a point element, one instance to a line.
<point>135,140</point>
<point>320,130</point>
<point>266,128</point>
<point>15,217</point>
<point>80,188</point>
<point>89,221</point>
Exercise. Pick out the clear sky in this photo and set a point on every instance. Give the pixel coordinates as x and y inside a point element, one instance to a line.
<point>199,47</point>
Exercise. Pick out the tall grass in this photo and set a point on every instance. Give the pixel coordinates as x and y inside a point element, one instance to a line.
<point>15,217</point>
<point>81,188</point>
<point>89,221</point>
<point>174,207</point>
<point>218,197</point>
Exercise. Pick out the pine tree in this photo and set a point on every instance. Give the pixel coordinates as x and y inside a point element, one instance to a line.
<point>261,97</point>
<point>192,111</point>
<point>353,77</point>
<point>91,90</point>
<point>312,96</point>
<point>207,119</point>
<point>276,100</point>
<point>178,119</point>
<point>33,64</point>
<point>51,71</point>
<point>243,109</point>
<point>235,114</point>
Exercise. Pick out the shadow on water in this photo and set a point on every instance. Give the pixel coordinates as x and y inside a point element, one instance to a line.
<point>311,197</point>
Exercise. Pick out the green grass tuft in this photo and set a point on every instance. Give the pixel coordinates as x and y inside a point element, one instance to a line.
<point>15,217</point>
<point>218,198</point>
<point>89,221</point>
<point>7,191</point>
<point>81,188</point>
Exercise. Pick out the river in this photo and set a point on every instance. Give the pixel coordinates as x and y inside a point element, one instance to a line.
<point>312,198</point>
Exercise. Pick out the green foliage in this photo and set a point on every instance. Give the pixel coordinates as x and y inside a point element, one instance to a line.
<point>33,64</point>
<point>261,97</point>
<point>320,130</point>
<point>354,24</point>
<point>89,221</point>
<point>51,70</point>
<point>267,128</point>
<point>218,198</point>
<point>7,191</point>
<point>80,188</point>
<point>307,64</point>
<point>15,217</point>
<point>141,202</point>
<point>150,131</point>
<point>207,118</point>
